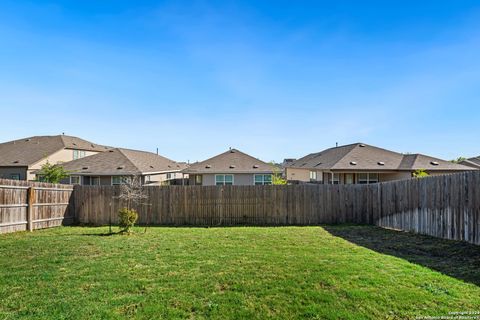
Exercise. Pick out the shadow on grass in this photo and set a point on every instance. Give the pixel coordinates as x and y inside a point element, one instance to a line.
<point>453,258</point>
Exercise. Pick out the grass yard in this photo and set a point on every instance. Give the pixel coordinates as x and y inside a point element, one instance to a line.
<point>347,272</point>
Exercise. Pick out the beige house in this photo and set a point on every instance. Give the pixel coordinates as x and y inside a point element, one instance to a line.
<point>115,165</point>
<point>21,159</point>
<point>232,167</point>
<point>360,163</point>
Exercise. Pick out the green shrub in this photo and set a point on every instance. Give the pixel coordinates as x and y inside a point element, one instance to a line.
<point>127,219</point>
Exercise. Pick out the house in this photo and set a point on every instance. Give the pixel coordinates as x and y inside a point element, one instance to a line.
<point>472,162</point>
<point>115,165</point>
<point>360,163</point>
<point>21,159</point>
<point>232,167</point>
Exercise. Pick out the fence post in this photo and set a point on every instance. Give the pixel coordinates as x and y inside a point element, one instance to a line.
<point>30,201</point>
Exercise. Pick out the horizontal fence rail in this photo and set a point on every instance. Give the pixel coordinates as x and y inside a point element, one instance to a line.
<point>443,206</point>
<point>34,205</point>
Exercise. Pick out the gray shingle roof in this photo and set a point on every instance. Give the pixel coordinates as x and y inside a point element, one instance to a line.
<point>28,151</point>
<point>360,156</point>
<point>120,161</point>
<point>231,161</point>
<point>472,162</point>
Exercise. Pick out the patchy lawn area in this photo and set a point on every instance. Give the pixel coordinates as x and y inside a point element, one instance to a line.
<point>348,272</point>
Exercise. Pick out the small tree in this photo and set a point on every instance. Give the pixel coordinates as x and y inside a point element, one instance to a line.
<point>277,178</point>
<point>420,173</point>
<point>133,193</point>
<point>52,173</point>
<point>458,160</point>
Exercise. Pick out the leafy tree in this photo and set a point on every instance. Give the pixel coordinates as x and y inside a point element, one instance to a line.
<point>420,173</point>
<point>277,178</point>
<point>458,160</point>
<point>52,173</point>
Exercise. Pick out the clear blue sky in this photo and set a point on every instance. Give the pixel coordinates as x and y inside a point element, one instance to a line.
<point>273,78</point>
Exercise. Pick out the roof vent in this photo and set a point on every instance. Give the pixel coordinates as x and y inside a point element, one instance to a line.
<point>318,164</point>
<point>84,168</point>
<point>361,145</point>
<point>232,166</point>
<point>120,167</point>
<point>151,167</point>
<point>232,151</point>
<point>381,163</point>
<point>16,161</point>
<point>353,163</point>
<point>434,163</point>
<point>110,150</point>
<point>208,166</point>
<point>255,166</point>
<point>28,139</point>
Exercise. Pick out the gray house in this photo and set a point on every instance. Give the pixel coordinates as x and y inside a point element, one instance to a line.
<point>115,165</point>
<point>232,167</point>
<point>21,159</point>
<point>361,163</point>
<point>472,162</point>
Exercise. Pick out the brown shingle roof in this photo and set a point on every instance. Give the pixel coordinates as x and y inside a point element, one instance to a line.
<point>231,161</point>
<point>360,156</point>
<point>28,151</point>
<point>120,161</point>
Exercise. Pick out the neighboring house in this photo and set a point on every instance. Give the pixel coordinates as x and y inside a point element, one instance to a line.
<point>230,168</point>
<point>115,165</point>
<point>360,163</point>
<point>21,159</point>
<point>472,162</point>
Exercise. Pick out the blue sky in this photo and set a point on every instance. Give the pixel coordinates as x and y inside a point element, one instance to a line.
<point>273,78</point>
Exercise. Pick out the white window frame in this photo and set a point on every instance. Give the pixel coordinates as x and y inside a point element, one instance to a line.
<point>263,182</point>
<point>123,180</point>
<point>313,175</point>
<point>223,183</point>
<point>79,180</point>
<point>198,179</point>
<point>368,180</point>
<point>78,154</point>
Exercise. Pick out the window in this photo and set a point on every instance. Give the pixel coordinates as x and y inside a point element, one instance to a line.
<point>349,178</point>
<point>262,179</point>
<point>223,179</point>
<point>333,178</point>
<point>198,179</point>
<point>117,180</point>
<point>15,176</point>
<point>367,178</point>
<point>170,176</point>
<point>75,180</point>
<point>94,181</point>
<point>77,154</point>
<point>313,175</point>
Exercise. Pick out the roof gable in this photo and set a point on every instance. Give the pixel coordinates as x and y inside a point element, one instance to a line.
<point>233,161</point>
<point>121,161</point>
<point>28,151</point>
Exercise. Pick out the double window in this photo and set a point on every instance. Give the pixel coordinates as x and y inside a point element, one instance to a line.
<point>333,178</point>
<point>223,179</point>
<point>77,154</point>
<point>313,175</point>
<point>94,181</point>
<point>367,178</point>
<point>118,180</point>
<point>262,179</point>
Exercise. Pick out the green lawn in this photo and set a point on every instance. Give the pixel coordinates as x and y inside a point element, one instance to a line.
<point>347,272</point>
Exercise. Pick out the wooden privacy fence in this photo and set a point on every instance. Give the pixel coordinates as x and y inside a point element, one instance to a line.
<point>445,206</point>
<point>33,205</point>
